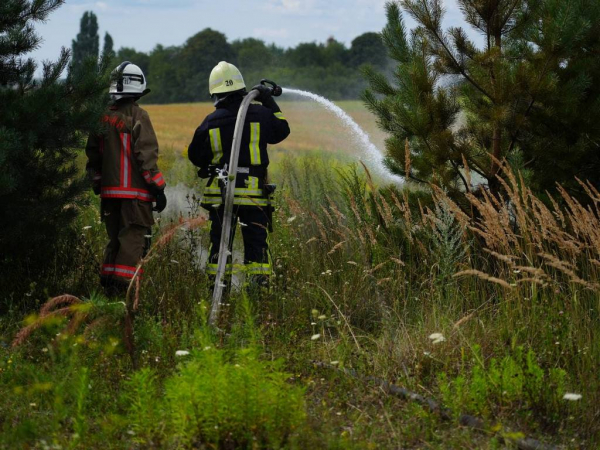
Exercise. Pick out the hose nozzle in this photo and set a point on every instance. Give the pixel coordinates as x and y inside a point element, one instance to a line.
<point>276,91</point>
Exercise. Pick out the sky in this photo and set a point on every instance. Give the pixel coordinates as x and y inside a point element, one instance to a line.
<point>142,24</point>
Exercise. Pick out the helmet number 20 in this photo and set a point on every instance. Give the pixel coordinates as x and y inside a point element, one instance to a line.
<point>228,82</point>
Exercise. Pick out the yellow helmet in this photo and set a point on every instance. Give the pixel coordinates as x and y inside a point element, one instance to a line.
<point>224,78</point>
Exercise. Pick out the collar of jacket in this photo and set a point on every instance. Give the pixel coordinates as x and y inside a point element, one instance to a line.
<point>232,103</point>
<point>117,103</point>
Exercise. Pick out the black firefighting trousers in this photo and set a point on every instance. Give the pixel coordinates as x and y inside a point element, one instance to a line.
<point>254,223</point>
<point>128,222</point>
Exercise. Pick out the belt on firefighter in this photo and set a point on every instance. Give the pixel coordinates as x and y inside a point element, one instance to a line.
<point>253,171</point>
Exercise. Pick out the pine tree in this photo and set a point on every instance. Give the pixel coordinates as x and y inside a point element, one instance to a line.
<point>43,123</point>
<point>453,105</point>
<point>87,43</point>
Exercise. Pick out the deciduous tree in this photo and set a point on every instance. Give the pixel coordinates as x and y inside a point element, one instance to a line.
<point>87,43</point>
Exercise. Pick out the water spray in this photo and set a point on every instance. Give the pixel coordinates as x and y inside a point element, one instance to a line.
<point>373,156</point>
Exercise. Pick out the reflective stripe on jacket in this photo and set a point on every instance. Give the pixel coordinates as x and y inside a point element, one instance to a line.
<point>212,143</point>
<point>122,160</point>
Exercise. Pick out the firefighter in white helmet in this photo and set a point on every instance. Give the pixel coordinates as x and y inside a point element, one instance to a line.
<point>122,163</point>
<point>210,150</point>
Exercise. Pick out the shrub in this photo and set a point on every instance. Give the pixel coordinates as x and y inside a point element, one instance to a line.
<point>218,398</point>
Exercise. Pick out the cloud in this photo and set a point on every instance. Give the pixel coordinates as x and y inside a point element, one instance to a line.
<point>296,7</point>
<point>271,33</point>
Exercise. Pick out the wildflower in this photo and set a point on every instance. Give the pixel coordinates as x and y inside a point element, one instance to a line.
<point>313,323</point>
<point>87,227</point>
<point>572,397</point>
<point>182,353</point>
<point>436,338</point>
<point>291,219</point>
<point>314,337</point>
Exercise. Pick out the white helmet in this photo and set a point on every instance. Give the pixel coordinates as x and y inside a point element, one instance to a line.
<point>225,78</point>
<point>128,80</point>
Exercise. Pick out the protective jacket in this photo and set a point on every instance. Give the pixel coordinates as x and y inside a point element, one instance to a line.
<point>211,146</point>
<point>122,162</point>
<point>122,165</point>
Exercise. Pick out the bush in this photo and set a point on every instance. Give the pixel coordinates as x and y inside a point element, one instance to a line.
<point>217,398</point>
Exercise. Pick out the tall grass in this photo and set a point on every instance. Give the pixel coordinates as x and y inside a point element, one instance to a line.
<point>494,313</point>
<point>518,274</point>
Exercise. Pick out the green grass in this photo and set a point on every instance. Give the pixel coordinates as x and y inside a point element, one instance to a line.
<point>362,281</point>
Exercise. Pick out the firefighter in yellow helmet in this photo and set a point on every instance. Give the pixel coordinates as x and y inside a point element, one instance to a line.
<point>122,164</point>
<point>210,151</point>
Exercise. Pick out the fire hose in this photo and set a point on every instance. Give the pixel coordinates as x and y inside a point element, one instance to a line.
<point>229,177</point>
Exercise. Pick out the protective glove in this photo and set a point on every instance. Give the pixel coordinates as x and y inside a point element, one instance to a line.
<point>161,202</point>
<point>206,172</point>
<point>265,93</point>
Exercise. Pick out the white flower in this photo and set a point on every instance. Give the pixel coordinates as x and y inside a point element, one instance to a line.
<point>572,397</point>
<point>314,337</point>
<point>182,353</point>
<point>436,338</point>
<point>291,219</point>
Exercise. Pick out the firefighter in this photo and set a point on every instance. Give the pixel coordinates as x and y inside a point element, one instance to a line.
<point>210,151</point>
<point>122,166</point>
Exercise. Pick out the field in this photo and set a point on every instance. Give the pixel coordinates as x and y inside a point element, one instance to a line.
<point>313,127</point>
<point>389,324</point>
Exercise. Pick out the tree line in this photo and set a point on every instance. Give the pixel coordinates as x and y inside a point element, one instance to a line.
<point>180,73</point>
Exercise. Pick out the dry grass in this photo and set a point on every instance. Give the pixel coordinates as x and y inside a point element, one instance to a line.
<point>313,127</point>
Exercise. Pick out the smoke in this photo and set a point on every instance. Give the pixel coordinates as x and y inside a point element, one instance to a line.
<point>179,201</point>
